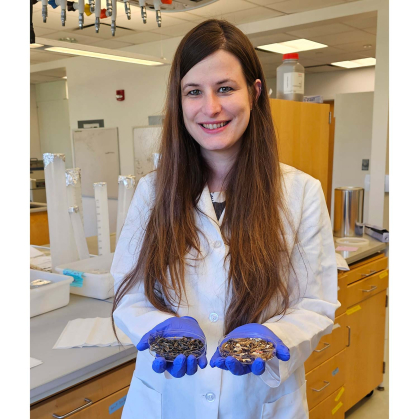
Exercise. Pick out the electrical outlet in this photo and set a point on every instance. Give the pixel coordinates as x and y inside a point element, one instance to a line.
<point>365,164</point>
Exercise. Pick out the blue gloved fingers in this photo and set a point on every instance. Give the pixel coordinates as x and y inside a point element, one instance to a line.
<point>191,365</point>
<point>282,352</point>
<point>234,366</point>
<point>214,358</point>
<point>143,343</point>
<point>221,363</point>
<point>258,366</point>
<point>202,361</point>
<point>159,365</point>
<point>178,367</point>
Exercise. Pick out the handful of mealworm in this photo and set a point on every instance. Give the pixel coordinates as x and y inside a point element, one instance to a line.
<point>170,347</point>
<point>246,350</point>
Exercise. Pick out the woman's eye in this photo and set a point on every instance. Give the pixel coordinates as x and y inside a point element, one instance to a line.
<point>225,89</point>
<point>194,92</point>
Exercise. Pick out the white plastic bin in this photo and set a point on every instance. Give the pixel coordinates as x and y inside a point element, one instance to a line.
<point>95,285</point>
<point>51,296</point>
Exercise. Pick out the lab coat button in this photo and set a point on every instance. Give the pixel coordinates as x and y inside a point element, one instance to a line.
<point>213,317</point>
<point>217,244</point>
<point>210,397</point>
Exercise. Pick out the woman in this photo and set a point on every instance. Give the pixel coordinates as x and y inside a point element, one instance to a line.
<point>223,240</point>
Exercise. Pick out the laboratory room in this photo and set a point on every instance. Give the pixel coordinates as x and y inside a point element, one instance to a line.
<point>209,209</point>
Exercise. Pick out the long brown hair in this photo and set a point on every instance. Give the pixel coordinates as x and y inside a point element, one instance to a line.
<point>255,231</point>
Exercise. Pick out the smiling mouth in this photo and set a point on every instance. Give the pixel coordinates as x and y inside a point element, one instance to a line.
<point>215,126</point>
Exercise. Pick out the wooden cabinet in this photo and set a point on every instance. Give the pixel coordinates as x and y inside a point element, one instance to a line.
<point>354,351</point>
<point>304,141</point>
<point>365,354</point>
<point>103,391</point>
<point>333,407</point>
<point>325,379</point>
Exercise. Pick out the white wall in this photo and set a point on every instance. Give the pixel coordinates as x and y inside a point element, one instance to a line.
<point>53,119</point>
<point>35,145</point>
<point>353,133</point>
<point>330,83</point>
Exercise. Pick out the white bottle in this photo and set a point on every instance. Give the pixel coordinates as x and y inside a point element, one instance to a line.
<point>290,79</point>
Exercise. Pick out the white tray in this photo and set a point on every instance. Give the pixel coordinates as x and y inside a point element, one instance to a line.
<point>52,296</point>
<point>94,285</point>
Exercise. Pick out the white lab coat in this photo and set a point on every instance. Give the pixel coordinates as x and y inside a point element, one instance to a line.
<point>280,392</point>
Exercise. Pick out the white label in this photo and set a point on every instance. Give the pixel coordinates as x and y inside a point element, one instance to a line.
<point>294,83</point>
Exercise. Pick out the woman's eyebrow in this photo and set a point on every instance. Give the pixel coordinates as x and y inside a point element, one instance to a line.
<point>197,85</point>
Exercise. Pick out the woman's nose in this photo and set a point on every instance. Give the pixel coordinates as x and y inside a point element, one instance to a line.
<point>212,105</point>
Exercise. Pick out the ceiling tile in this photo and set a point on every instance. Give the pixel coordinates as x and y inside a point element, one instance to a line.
<point>296,6</point>
<point>264,2</point>
<point>345,38</point>
<point>358,47</point>
<point>80,37</point>
<point>142,38</point>
<point>321,52</point>
<point>251,15</point>
<point>270,39</point>
<point>325,69</point>
<point>184,16</point>
<point>371,30</point>
<point>321,30</point>
<point>362,22</point>
<point>176,30</point>
<point>349,56</point>
<point>222,7</point>
<point>40,31</point>
<point>109,43</point>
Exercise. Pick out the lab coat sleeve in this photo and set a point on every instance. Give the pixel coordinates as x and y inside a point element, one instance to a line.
<point>314,302</point>
<point>135,315</point>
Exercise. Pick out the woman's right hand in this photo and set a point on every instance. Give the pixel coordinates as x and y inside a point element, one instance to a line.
<point>181,365</point>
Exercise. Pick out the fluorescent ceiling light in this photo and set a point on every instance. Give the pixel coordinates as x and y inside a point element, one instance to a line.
<point>36,46</point>
<point>363,62</point>
<point>65,77</point>
<point>292,46</point>
<point>90,54</point>
<point>51,45</point>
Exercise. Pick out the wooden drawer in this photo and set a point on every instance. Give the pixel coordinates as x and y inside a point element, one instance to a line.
<point>361,290</point>
<point>325,379</point>
<point>329,345</point>
<point>366,268</point>
<point>331,408</point>
<point>342,294</point>
<point>104,407</point>
<point>94,389</point>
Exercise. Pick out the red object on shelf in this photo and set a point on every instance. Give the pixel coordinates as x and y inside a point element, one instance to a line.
<point>166,1</point>
<point>290,56</point>
<point>120,95</point>
<point>103,14</point>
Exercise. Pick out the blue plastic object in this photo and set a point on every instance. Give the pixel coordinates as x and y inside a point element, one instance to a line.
<point>52,4</point>
<point>77,276</point>
<point>170,328</point>
<point>258,366</point>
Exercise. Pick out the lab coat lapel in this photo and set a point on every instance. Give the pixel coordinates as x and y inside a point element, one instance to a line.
<point>206,206</point>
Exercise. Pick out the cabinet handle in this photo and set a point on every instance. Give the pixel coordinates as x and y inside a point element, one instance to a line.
<point>89,402</point>
<point>372,272</point>
<point>320,389</point>
<point>349,336</point>
<point>373,287</point>
<point>326,345</point>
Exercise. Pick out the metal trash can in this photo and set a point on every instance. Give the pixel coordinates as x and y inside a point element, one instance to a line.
<point>349,211</point>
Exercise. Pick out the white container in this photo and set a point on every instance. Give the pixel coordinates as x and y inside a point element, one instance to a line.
<point>290,79</point>
<point>51,296</point>
<point>95,285</point>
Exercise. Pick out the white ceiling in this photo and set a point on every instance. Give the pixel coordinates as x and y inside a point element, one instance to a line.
<point>346,38</point>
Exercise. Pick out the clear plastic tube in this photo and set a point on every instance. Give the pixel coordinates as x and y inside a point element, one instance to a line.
<point>62,244</point>
<point>126,189</point>
<point>73,184</point>
<point>102,217</point>
<point>78,231</point>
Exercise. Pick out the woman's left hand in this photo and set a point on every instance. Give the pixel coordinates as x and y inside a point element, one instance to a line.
<point>258,366</point>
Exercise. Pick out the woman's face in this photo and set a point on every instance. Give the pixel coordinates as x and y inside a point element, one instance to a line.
<point>216,103</point>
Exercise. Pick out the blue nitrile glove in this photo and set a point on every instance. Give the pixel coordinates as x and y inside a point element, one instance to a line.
<point>181,365</point>
<point>258,366</point>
